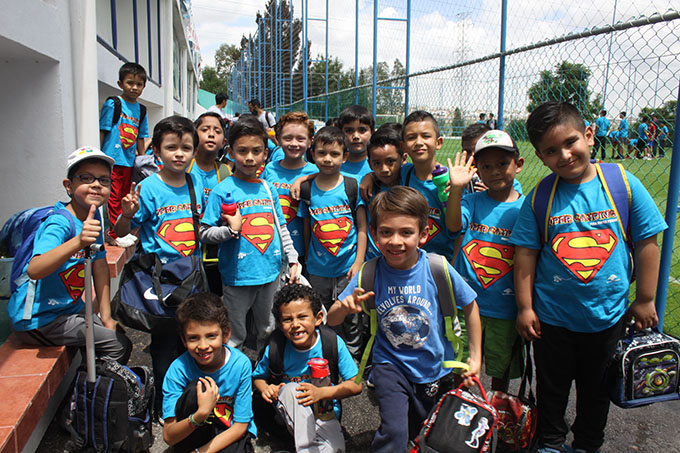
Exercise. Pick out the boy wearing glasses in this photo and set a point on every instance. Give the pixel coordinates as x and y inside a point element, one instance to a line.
<point>57,316</point>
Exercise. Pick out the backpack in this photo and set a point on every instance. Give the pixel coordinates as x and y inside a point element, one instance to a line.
<point>447,305</point>
<point>17,237</point>
<point>329,346</point>
<point>615,182</point>
<point>460,422</point>
<point>113,414</point>
<point>118,108</point>
<point>351,190</point>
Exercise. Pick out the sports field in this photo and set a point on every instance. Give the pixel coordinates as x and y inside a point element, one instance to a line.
<point>653,174</point>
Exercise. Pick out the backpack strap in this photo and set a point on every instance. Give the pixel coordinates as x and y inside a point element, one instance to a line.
<point>329,346</point>
<point>142,112</point>
<point>117,109</point>
<point>541,201</point>
<point>223,171</point>
<point>277,345</point>
<point>306,191</point>
<point>447,305</point>
<point>352,191</point>
<point>408,177</point>
<point>366,280</point>
<point>615,183</point>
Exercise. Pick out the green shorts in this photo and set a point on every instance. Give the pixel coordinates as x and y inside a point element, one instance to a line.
<point>499,337</point>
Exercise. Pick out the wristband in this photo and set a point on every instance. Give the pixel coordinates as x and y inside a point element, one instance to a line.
<point>193,421</point>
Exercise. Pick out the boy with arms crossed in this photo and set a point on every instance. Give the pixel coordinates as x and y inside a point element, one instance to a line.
<point>572,300</point>
<point>407,369</point>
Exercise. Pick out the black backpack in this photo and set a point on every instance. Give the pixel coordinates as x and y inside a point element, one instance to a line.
<point>329,345</point>
<point>113,414</point>
<point>118,108</point>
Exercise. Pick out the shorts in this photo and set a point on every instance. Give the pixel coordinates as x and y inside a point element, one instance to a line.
<point>500,347</point>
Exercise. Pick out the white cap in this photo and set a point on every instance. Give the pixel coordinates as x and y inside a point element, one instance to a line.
<point>496,139</point>
<point>84,153</point>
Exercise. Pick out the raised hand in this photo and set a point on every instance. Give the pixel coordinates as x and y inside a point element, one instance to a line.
<point>461,170</point>
<point>91,229</point>
<point>130,202</point>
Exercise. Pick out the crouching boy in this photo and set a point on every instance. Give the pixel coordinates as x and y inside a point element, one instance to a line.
<point>207,390</point>
<point>410,344</point>
<point>298,314</point>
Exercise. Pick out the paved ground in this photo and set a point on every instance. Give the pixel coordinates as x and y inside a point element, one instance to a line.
<point>648,429</point>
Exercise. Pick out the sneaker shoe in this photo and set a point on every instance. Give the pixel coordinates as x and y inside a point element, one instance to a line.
<point>126,241</point>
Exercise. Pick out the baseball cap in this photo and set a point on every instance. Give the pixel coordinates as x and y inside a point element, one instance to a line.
<point>496,139</point>
<point>84,153</point>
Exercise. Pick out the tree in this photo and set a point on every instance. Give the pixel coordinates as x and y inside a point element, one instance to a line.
<point>226,57</point>
<point>567,82</point>
<point>212,82</point>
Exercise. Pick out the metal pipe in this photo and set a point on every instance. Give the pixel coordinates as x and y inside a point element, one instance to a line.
<point>501,68</point>
<point>375,57</point>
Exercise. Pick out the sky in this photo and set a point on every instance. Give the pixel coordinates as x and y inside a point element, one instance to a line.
<point>444,32</point>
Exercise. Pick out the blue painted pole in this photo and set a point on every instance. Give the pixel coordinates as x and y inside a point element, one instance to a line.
<point>501,69</point>
<point>375,56</point>
<point>325,119</point>
<point>671,216</point>
<point>259,63</point>
<point>408,57</point>
<point>356,52</point>
<point>305,51</point>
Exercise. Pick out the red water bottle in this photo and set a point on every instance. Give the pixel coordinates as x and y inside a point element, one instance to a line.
<point>229,205</point>
<point>323,409</point>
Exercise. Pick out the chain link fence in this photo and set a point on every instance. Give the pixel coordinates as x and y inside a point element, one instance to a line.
<point>621,56</point>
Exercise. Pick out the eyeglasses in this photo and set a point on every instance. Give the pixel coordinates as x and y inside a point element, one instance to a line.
<point>87,178</point>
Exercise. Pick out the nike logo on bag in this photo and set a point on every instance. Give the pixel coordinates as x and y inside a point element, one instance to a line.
<point>150,295</point>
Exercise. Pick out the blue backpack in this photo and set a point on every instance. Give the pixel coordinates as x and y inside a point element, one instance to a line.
<point>18,235</point>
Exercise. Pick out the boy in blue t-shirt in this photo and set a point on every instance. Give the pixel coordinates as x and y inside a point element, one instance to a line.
<point>410,344</point>
<point>485,259</point>
<point>294,132</point>
<point>123,141</point>
<point>601,129</point>
<point>207,403</point>
<point>160,206</point>
<point>572,280</point>
<point>251,243</point>
<point>298,313</point>
<point>57,315</point>
<point>357,123</point>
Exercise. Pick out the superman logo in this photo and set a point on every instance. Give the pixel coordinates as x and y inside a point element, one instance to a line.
<point>258,229</point>
<point>128,135</point>
<point>73,279</point>
<point>332,233</point>
<point>224,413</point>
<point>584,252</point>
<point>489,261</point>
<point>432,230</point>
<point>289,207</point>
<point>179,234</point>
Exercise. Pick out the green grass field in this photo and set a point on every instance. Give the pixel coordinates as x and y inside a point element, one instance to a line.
<point>653,174</point>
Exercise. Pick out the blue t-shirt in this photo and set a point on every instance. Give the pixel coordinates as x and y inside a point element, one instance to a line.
<point>642,131</point>
<point>255,257</point>
<point>333,241</point>
<point>583,273</point>
<point>356,170</point>
<point>623,128</point>
<point>120,142</point>
<point>165,220</point>
<point>283,178</point>
<point>411,333</point>
<point>602,124</point>
<point>275,153</point>
<point>59,293</point>
<point>372,249</point>
<point>485,259</point>
<point>663,132</point>
<point>232,379</point>
<point>439,239</point>
<point>295,368</point>
<point>209,179</point>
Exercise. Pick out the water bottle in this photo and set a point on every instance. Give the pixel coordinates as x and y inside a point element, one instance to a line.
<point>440,178</point>
<point>323,409</point>
<point>229,205</point>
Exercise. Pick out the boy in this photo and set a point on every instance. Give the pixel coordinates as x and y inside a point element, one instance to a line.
<point>294,132</point>
<point>572,285</point>
<point>621,137</point>
<point>485,220</point>
<point>641,144</point>
<point>385,158</point>
<point>407,365</point>
<point>357,123</point>
<point>210,378</point>
<point>251,245</point>
<point>58,314</point>
<point>421,141</point>
<point>601,130</point>
<point>299,315</point>
<point>160,206</point>
<point>123,141</point>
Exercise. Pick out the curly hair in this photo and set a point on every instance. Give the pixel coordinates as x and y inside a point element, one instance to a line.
<point>292,292</point>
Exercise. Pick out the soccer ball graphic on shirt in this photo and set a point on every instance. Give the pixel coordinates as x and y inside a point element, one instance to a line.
<point>406,327</point>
